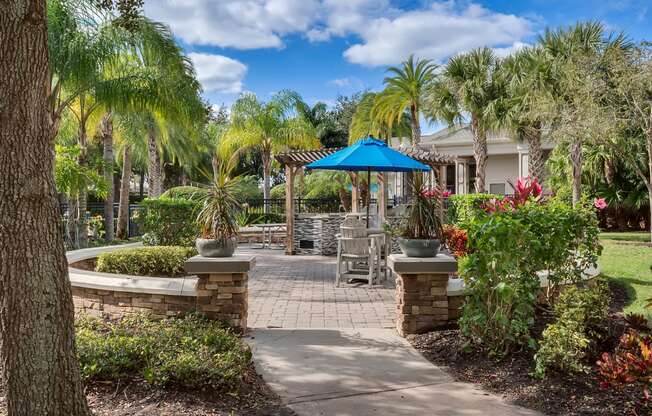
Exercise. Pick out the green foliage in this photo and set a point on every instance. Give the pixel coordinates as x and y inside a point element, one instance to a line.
<point>247,187</point>
<point>191,352</point>
<point>184,192</point>
<point>168,221</point>
<point>217,217</point>
<point>71,178</point>
<point>422,221</point>
<point>278,191</point>
<point>146,261</point>
<point>245,219</point>
<point>581,313</point>
<point>507,248</point>
<point>463,207</point>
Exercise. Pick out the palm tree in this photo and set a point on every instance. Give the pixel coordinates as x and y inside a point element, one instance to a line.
<point>569,50</point>
<point>366,121</point>
<point>527,76</point>
<point>405,90</point>
<point>469,86</point>
<point>270,127</point>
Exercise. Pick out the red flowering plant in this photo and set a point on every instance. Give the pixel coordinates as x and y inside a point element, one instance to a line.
<point>526,190</point>
<point>600,203</point>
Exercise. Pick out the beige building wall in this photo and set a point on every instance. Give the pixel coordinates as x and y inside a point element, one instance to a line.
<point>501,170</point>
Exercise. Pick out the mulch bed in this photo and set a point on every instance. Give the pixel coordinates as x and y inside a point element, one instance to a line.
<point>136,398</point>
<point>557,394</point>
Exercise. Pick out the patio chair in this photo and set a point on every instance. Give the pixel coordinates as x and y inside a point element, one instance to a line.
<point>354,246</point>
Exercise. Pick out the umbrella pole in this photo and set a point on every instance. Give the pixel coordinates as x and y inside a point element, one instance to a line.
<point>368,193</point>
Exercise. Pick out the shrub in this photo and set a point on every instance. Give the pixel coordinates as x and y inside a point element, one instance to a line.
<point>456,240</point>
<point>581,313</point>
<point>461,208</point>
<point>190,351</point>
<point>631,363</point>
<point>184,192</point>
<point>507,247</point>
<point>146,261</point>
<point>168,221</point>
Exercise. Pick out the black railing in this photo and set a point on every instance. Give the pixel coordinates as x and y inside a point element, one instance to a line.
<point>301,205</point>
<point>95,209</point>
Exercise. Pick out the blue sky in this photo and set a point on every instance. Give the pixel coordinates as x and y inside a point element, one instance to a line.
<point>322,48</point>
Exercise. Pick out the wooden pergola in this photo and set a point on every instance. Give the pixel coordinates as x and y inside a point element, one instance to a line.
<point>295,160</point>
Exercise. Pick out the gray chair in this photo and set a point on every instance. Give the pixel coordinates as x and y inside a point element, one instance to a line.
<point>355,247</point>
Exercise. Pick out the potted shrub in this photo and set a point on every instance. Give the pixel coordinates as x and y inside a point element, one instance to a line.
<point>421,232</point>
<point>217,218</point>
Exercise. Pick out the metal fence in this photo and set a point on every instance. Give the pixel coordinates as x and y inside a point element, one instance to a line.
<point>301,205</point>
<point>95,209</point>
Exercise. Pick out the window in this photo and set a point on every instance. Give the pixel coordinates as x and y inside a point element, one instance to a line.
<point>497,188</point>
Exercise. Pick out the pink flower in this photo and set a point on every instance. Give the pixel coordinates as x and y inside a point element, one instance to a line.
<point>600,203</point>
<point>526,189</point>
<point>446,193</point>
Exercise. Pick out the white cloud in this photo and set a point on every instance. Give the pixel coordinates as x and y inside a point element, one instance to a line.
<point>437,33</point>
<point>242,24</point>
<point>381,33</point>
<point>219,73</point>
<point>341,82</point>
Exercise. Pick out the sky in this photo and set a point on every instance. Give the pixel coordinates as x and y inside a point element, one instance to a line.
<point>326,48</point>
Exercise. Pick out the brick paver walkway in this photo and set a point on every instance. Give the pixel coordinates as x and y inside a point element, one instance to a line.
<point>300,292</point>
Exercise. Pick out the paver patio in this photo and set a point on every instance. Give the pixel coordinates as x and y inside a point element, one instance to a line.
<point>299,292</point>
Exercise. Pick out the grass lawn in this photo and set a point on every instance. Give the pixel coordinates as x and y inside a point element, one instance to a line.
<point>630,265</point>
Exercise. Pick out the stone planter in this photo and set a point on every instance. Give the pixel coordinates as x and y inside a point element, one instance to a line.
<point>418,248</point>
<point>216,248</point>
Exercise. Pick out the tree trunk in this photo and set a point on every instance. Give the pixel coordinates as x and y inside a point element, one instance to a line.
<point>141,185</point>
<point>536,162</point>
<point>154,168</point>
<point>82,196</point>
<point>576,163</point>
<point>37,347</point>
<point>480,155</point>
<point>123,207</point>
<point>71,226</point>
<point>107,140</point>
<point>267,162</point>
<point>415,125</point>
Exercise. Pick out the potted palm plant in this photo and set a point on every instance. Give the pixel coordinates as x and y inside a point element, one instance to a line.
<point>217,218</point>
<point>421,232</point>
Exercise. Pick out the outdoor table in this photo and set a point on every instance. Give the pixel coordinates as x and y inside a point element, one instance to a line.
<point>270,228</point>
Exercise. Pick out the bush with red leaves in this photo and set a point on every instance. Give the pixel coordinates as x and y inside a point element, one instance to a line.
<point>631,363</point>
<point>456,240</point>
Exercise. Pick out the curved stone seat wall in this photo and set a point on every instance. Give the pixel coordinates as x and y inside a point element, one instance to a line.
<point>219,292</point>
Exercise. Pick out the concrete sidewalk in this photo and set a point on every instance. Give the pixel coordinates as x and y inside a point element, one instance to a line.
<point>360,372</point>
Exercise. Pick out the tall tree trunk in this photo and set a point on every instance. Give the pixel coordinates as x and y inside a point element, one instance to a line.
<point>107,140</point>
<point>82,196</point>
<point>576,163</point>
<point>415,124</point>
<point>37,343</point>
<point>480,154</point>
<point>267,168</point>
<point>71,226</point>
<point>183,178</point>
<point>141,185</point>
<point>536,162</point>
<point>154,168</point>
<point>123,206</point>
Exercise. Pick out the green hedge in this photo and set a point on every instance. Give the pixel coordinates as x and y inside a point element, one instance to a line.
<point>581,314</point>
<point>168,221</point>
<point>146,261</point>
<point>463,207</point>
<point>185,192</point>
<point>191,351</point>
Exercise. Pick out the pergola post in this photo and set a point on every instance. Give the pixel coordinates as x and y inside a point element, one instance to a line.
<point>441,184</point>
<point>289,209</point>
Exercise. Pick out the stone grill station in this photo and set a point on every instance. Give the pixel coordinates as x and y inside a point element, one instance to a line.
<point>422,301</point>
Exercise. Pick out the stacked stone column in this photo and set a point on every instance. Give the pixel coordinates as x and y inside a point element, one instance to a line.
<point>421,292</point>
<point>222,288</point>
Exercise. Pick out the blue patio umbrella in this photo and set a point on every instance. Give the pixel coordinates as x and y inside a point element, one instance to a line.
<point>368,154</point>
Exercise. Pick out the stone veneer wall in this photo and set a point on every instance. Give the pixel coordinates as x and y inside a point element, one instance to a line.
<point>219,296</point>
<point>421,302</point>
<point>115,304</point>
<point>321,230</point>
